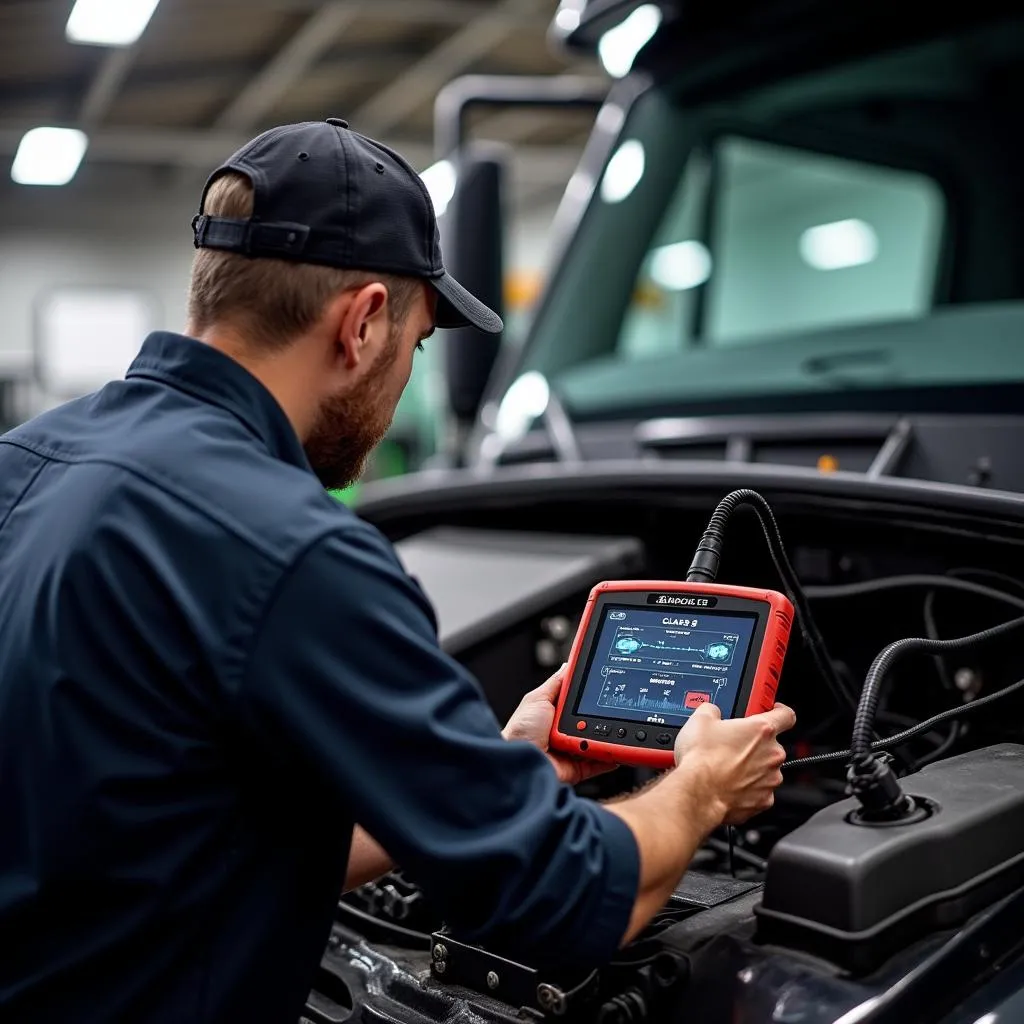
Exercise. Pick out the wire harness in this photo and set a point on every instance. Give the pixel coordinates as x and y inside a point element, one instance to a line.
<point>870,777</point>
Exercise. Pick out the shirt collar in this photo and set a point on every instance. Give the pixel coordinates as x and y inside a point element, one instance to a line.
<point>216,378</point>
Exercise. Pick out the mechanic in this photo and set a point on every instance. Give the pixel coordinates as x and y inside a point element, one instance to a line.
<point>211,672</point>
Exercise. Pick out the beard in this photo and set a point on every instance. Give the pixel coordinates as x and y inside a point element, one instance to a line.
<point>348,427</point>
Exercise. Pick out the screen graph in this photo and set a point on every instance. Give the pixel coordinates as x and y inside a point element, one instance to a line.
<point>655,667</point>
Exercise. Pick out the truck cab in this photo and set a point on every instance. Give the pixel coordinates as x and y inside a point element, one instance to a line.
<point>796,215</point>
<point>789,261</point>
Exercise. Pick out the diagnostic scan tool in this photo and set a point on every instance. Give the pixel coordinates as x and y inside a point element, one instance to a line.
<point>647,654</point>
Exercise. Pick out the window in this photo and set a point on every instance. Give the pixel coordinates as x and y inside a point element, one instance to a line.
<point>88,336</point>
<point>762,240</point>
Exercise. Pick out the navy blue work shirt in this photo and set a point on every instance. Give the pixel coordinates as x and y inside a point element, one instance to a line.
<point>209,670</point>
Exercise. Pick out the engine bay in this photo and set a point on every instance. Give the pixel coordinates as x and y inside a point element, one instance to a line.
<point>804,913</point>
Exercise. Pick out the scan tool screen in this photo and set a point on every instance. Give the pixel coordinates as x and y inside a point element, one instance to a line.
<point>660,666</point>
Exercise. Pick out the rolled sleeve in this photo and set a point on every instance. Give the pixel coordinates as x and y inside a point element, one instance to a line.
<point>347,677</point>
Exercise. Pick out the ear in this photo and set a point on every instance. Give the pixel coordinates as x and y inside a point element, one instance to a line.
<point>361,324</point>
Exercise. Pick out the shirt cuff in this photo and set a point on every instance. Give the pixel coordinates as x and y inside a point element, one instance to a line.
<point>621,888</point>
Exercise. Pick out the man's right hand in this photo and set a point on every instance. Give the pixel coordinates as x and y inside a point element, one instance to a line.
<point>738,761</point>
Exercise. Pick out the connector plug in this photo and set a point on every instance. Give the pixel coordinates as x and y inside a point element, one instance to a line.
<point>873,782</point>
<point>704,567</point>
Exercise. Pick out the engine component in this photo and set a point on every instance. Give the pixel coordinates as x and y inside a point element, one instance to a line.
<point>481,582</point>
<point>853,890</point>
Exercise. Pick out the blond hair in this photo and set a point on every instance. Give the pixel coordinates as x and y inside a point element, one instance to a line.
<point>270,301</point>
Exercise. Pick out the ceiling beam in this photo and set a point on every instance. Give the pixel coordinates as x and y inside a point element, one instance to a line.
<point>343,64</point>
<point>440,12</point>
<point>452,12</point>
<point>169,147</point>
<point>424,78</point>
<point>202,150</point>
<point>145,146</point>
<point>297,56</point>
<point>105,85</point>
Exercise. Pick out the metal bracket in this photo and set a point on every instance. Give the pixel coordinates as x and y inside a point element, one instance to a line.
<point>474,968</point>
<point>568,92</point>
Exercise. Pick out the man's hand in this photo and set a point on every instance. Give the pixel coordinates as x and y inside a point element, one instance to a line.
<point>739,759</point>
<point>367,860</point>
<point>725,772</point>
<point>532,721</point>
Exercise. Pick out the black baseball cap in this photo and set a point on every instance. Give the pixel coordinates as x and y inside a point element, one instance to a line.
<point>325,194</point>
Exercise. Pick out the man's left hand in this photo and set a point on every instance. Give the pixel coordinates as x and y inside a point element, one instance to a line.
<point>532,720</point>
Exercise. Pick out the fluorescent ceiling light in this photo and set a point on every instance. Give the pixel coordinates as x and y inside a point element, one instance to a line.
<point>624,171</point>
<point>568,16</point>
<point>620,45</point>
<point>48,156</point>
<point>440,181</point>
<point>524,401</point>
<point>109,22</point>
<point>843,243</point>
<point>681,266</point>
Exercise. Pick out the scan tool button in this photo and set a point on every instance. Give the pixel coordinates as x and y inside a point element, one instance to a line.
<point>641,735</point>
<point>581,726</point>
<point>621,733</point>
<point>664,738</point>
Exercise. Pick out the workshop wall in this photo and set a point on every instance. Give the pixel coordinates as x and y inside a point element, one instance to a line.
<point>50,242</point>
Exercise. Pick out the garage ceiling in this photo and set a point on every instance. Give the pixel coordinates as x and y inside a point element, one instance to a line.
<point>208,74</point>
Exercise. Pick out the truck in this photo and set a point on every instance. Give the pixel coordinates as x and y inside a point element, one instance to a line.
<point>789,262</point>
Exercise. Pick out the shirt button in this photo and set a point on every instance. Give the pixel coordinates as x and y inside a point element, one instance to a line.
<point>641,735</point>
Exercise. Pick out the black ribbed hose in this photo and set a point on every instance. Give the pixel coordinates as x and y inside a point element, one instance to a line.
<point>704,569</point>
<point>899,738</point>
<point>862,759</point>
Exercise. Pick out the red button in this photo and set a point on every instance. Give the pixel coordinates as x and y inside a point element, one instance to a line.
<point>695,698</point>
<point>581,726</point>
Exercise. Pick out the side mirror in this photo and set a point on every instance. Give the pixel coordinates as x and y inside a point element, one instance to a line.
<point>472,229</point>
<point>472,238</point>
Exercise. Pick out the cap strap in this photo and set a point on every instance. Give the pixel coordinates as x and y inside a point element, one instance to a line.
<point>251,238</point>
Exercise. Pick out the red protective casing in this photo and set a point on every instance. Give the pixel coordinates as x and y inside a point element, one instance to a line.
<point>774,608</point>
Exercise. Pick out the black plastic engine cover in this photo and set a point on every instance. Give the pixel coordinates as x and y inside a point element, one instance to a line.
<point>855,893</point>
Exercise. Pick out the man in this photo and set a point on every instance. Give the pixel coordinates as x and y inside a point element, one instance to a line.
<point>210,672</point>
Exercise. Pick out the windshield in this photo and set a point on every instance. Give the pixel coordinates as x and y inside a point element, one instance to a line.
<point>853,232</point>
